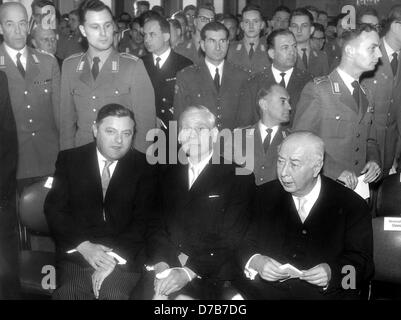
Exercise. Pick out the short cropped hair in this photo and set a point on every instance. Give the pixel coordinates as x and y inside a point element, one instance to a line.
<point>318,27</point>
<point>265,91</point>
<point>252,7</point>
<point>206,6</point>
<point>91,5</point>
<point>143,3</point>
<point>163,23</point>
<point>351,34</point>
<point>210,116</point>
<point>393,16</point>
<point>41,3</point>
<point>114,110</point>
<point>282,9</point>
<point>213,26</point>
<point>302,12</point>
<point>274,34</point>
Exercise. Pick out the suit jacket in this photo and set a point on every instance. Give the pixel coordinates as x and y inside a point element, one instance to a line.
<point>318,64</point>
<point>163,81</point>
<point>299,78</point>
<point>74,206</point>
<point>36,101</point>
<point>195,86</point>
<point>123,79</point>
<point>338,231</point>
<point>386,92</point>
<point>264,165</point>
<point>327,108</point>
<point>237,54</point>
<point>206,222</point>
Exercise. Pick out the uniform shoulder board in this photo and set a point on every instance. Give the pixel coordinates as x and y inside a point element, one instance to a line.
<point>129,56</point>
<point>74,56</point>
<point>319,80</point>
<point>45,53</point>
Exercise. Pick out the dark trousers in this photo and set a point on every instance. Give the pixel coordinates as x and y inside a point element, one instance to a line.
<point>74,282</point>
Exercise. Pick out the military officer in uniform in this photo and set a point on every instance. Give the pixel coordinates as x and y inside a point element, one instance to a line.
<point>338,110</point>
<point>250,52</point>
<point>101,76</point>
<point>267,134</point>
<point>385,84</point>
<point>281,46</point>
<point>215,83</point>
<point>314,61</point>
<point>34,85</point>
<point>192,48</point>
<point>132,40</point>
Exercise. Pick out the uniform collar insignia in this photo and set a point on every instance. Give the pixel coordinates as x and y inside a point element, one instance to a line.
<point>35,58</point>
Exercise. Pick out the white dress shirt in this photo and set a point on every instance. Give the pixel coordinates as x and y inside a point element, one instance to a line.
<point>263,132</point>
<point>103,56</point>
<point>277,76</point>
<point>390,51</point>
<point>311,199</point>
<point>13,55</point>
<point>163,57</point>
<point>102,162</point>
<point>212,69</point>
<point>194,170</point>
<point>348,80</point>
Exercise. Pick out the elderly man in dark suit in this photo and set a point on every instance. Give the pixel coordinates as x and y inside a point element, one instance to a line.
<point>281,45</point>
<point>204,214</point>
<point>266,135</point>
<point>215,83</point>
<point>385,85</point>
<point>162,65</point>
<point>34,84</point>
<point>101,204</point>
<point>8,222</point>
<point>314,224</point>
<point>340,111</point>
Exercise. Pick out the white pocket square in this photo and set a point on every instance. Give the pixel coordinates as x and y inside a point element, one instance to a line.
<point>214,196</point>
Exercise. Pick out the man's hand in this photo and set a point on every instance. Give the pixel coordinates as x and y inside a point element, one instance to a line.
<point>373,172</point>
<point>319,275</point>
<point>175,281</point>
<point>349,178</point>
<point>268,268</point>
<point>98,277</point>
<point>96,255</point>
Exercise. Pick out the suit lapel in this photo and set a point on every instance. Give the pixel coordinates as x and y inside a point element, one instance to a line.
<point>345,95</point>
<point>227,76</point>
<point>86,75</point>
<point>93,173</point>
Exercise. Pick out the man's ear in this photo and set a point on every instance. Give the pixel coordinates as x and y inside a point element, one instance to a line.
<point>166,37</point>
<point>262,25</point>
<point>312,30</point>
<point>241,25</point>
<point>270,53</point>
<point>94,130</point>
<point>349,50</point>
<point>202,44</point>
<point>82,29</point>
<point>1,29</point>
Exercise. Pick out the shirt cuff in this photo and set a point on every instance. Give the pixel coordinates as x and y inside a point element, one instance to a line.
<point>249,272</point>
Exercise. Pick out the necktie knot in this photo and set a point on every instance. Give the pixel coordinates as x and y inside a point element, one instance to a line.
<point>251,50</point>
<point>301,209</point>
<point>282,82</point>
<point>95,67</point>
<point>266,142</point>
<point>20,67</point>
<point>158,59</point>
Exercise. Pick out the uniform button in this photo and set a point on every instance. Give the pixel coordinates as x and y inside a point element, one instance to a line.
<point>356,162</point>
<point>164,100</point>
<point>33,134</point>
<point>116,92</point>
<point>46,91</point>
<point>28,107</point>
<point>94,97</point>
<point>94,110</point>
<point>388,114</point>
<point>294,255</point>
<point>30,120</point>
<point>218,108</point>
<point>263,167</point>
<point>358,135</point>
<point>357,149</point>
<point>94,122</point>
<point>391,100</point>
<point>304,232</point>
<point>25,92</point>
<point>219,116</point>
<point>162,111</point>
<point>261,179</point>
<point>212,254</point>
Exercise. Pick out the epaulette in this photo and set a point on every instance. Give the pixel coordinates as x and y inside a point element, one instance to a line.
<point>191,67</point>
<point>129,56</point>
<point>319,80</point>
<point>45,53</point>
<point>75,55</point>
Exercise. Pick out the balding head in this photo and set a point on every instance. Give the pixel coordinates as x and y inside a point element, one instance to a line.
<point>300,160</point>
<point>44,39</point>
<point>14,24</point>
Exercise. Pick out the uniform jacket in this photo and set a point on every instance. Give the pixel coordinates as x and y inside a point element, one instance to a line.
<point>337,231</point>
<point>237,54</point>
<point>74,206</point>
<point>318,64</point>
<point>123,79</point>
<point>188,50</point>
<point>206,222</point>
<point>386,92</point>
<point>264,164</point>
<point>36,101</point>
<point>299,78</point>
<point>164,82</point>
<point>195,86</point>
<point>327,108</point>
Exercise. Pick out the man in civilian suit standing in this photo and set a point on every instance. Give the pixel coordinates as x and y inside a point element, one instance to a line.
<point>311,222</point>
<point>101,202</point>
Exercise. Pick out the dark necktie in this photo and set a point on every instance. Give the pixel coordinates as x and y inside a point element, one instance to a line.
<point>19,65</point>
<point>251,50</point>
<point>305,58</point>
<point>217,79</point>
<point>394,63</point>
<point>158,63</point>
<point>359,96</point>
<point>282,82</point>
<point>95,67</point>
<point>266,142</point>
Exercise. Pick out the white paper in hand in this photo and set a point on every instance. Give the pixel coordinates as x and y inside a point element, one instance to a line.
<point>291,270</point>
<point>362,188</point>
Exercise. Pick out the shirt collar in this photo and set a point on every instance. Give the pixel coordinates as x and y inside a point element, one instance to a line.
<point>277,76</point>
<point>101,162</point>
<point>312,196</point>
<point>103,56</point>
<point>389,50</point>
<point>348,80</point>
<point>212,68</point>
<point>263,132</point>
<point>13,53</point>
<point>200,165</point>
<point>163,57</point>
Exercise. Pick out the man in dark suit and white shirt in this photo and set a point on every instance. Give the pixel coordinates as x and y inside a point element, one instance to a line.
<point>205,208</point>
<point>311,222</point>
<point>101,203</point>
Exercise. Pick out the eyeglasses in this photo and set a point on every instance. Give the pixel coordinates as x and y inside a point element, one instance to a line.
<point>205,19</point>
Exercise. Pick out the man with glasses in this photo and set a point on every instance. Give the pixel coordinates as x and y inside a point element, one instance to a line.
<point>250,52</point>
<point>281,18</point>
<point>315,62</point>
<point>317,40</point>
<point>370,16</point>
<point>214,83</point>
<point>192,48</point>
<point>385,84</point>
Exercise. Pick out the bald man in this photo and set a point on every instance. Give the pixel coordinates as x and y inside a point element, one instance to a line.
<point>311,222</point>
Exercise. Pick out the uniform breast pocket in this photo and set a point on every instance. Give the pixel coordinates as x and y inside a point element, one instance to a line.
<point>45,88</point>
<point>336,126</point>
